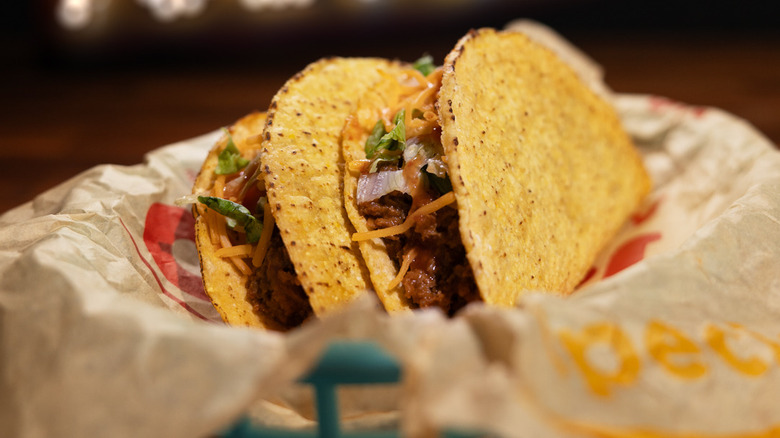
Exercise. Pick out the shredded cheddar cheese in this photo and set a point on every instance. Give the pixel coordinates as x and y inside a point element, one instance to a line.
<point>429,208</point>
<point>219,186</point>
<point>404,268</point>
<point>218,234</point>
<point>241,265</point>
<point>419,77</point>
<point>211,224</point>
<point>265,237</point>
<point>238,250</point>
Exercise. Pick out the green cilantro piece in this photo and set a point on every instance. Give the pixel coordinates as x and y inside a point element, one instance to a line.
<point>390,144</point>
<point>372,143</point>
<point>424,65</point>
<point>230,160</point>
<point>235,212</point>
<point>398,134</point>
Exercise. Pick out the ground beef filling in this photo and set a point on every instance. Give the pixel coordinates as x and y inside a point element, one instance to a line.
<point>440,275</point>
<point>274,290</point>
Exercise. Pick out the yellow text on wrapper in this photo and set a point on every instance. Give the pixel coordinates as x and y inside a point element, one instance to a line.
<point>678,354</point>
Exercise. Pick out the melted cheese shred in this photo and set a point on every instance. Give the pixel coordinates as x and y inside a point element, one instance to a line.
<point>429,208</point>
<point>408,259</point>
<point>219,186</point>
<point>421,96</point>
<point>217,227</point>
<point>265,237</point>
<point>232,251</point>
<point>423,100</point>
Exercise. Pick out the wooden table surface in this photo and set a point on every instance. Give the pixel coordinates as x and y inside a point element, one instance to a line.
<point>58,121</point>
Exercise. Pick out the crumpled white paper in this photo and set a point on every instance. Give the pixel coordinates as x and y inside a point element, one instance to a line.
<point>105,331</point>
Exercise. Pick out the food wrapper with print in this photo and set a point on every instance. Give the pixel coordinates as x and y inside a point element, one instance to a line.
<point>106,329</point>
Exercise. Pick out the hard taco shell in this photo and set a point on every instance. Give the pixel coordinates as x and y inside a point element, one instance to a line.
<point>224,284</point>
<point>304,171</point>
<point>543,173</point>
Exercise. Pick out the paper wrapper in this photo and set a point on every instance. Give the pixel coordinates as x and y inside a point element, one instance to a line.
<point>106,330</point>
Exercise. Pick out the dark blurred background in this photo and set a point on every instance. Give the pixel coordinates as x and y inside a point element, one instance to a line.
<point>123,80</point>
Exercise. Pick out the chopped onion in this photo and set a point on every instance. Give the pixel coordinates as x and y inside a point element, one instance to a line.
<point>436,167</point>
<point>186,200</point>
<point>375,185</point>
<point>430,156</point>
<point>415,147</point>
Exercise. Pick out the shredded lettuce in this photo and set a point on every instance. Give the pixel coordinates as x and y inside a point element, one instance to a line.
<point>387,146</point>
<point>424,65</point>
<point>236,214</point>
<point>372,142</point>
<point>375,185</point>
<point>230,160</point>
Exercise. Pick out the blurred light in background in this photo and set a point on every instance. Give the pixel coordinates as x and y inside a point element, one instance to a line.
<point>77,14</point>
<point>167,31</point>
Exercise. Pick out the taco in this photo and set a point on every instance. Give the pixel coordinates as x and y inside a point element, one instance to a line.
<point>246,270</point>
<point>498,173</point>
<point>273,236</point>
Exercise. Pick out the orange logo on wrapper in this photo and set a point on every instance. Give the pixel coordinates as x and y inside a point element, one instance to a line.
<point>609,359</point>
<point>673,351</point>
<point>609,335</point>
<point>679,355</point>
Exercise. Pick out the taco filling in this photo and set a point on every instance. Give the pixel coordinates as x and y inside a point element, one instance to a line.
<point>405,196</point>
<point>241,225</point>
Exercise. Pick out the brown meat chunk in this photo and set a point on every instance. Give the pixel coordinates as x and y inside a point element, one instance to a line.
<point>387,211</point>
<point>274,290</point>
<point>440,274</point>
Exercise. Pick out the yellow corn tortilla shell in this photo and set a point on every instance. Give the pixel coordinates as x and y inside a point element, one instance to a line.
<point>304,174</point>
<point>223,282</point>
<point>356,131</point>
<point>543,173</point>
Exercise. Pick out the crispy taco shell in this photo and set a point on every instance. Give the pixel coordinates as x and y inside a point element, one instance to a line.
<point>374,251</point>
<point>542,171</point>
<point>304,175</point>
<point>223,282</point>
